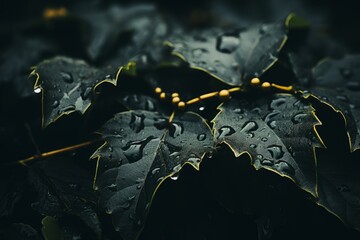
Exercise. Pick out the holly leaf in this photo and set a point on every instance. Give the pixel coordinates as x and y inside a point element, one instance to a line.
<point>279,136</point>
<point>337,84</point>
<point>339,187</point>
<point>233,57</point>
<point>67,85</point>
<point>142,149</point>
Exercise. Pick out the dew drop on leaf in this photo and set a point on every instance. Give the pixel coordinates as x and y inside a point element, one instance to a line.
<point>67,109</point>
<point>225,131</point>
<point>66,77</point>
<point>201,137</point>
<point>346,73</point>
<point>137,122</point>
<point>297,118</point>
<point>249,126</point>
<point>284,167</point>
<point>227,43</point>
<point>277,102</point>
<point>37,90</point>
<point>276,152</point>
<point>352,85</point>
<point>266,162</point>
<point>55,104</point>
<point>86,93</point>
<point>176,129</point>
<point>198,52</point>
<point>155,171</point>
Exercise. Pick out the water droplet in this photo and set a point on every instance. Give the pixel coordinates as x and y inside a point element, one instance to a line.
<point>201,108</point>
<point>252,146</point>
<point>37,90</point>
<point>271,115</point>
<point>342,98</point>
<point>225,131</point>
<point>227,43</point>
<point>297,118</point>
<point>134,150</point>
<point>177,168</point>
<point>155,171</point>
<point>266,162</point>
<point>343,188</point>
<point>201,137</point>
<point>112,187</point>
<point>175,176</point>
<point>86,93</point>
<point>66,77</point>
<point>149,105</point>
<point>275,151</point>
<point>346,73</point>
<point>55,104</point>
<point>283,166</point>
<point>238,110</point>
<point>264,139</point>
<point>67,109</point>
<point>263,29</point>
<point>160,123</point>
<point>249,126</point>
<point>277,102</point>
<point>352,85</point>
<point>272,124</point>
<point>259,156</point>
<point>256,110</point>
<point>176,129</point>
<point>198,52</point>
<point>194,160</point>
<point>137,122</point>
<point>139,186</point>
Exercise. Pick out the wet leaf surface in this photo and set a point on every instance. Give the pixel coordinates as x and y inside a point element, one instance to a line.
<point>339,187</point>
<point>61,195</point>
<point>67,85</point>
<point>142,149</point>
<point>337,83</point>
<point>277,132</point>
<point>234,56</point>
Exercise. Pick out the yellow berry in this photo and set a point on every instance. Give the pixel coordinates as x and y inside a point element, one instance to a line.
<point>174,95</point>
<point>255,81</point>
<point>175,100</point>
<point>158,90</point>
<point>266,85</point>
<point>181,105</point>
<point>224,94</point>
<point>162,95</point>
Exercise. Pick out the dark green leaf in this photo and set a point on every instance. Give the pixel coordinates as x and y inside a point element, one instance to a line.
<point>337,83</point>
<point>234,56</point>
<point>142,149</point>
<point>339,187</point>
<point>62,194</point>
<point>277,132</point>
<point>67,86</point>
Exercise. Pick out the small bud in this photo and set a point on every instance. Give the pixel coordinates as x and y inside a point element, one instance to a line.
<point>266,85</point>
<point>181,105</point>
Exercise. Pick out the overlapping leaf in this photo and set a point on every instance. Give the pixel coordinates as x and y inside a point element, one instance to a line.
<point>67,85</point>
<point>278,132</point>
<point>337,83</point>
<point>234,56</point>
<point>142,149</point>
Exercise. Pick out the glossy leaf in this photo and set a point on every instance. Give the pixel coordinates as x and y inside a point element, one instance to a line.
<point>67,85</point>
<point>278,132</point>
<point>234,56</point>
<point>142,149</point>
<point>337,83</point>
